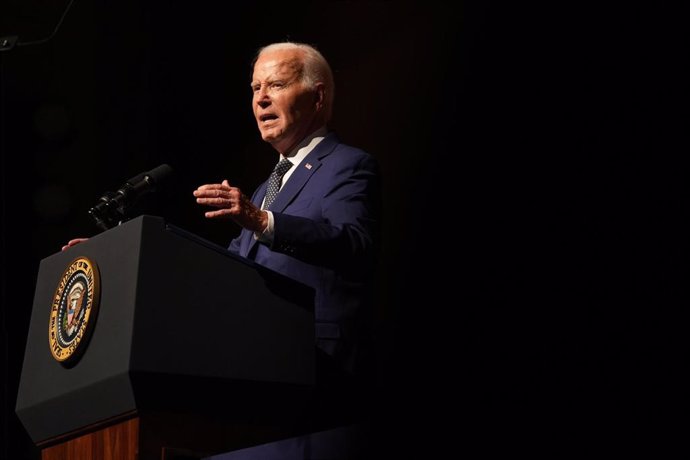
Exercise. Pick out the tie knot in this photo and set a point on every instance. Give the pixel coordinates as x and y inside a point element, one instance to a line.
<point>282,167</point>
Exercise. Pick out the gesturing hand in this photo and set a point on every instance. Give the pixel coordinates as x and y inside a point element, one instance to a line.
<point>231,202</point>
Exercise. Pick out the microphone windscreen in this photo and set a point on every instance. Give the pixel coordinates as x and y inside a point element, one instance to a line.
<point>160,173</point>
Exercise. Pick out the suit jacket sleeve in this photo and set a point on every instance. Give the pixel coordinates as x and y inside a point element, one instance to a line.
<point>235,246</point>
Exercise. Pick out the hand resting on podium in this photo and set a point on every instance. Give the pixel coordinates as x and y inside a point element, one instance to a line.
<point>73,242</point>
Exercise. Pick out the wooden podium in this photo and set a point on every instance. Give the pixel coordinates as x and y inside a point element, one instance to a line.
<point>189,351</point>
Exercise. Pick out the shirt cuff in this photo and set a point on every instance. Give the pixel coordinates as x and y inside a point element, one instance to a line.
<point>267,235</point>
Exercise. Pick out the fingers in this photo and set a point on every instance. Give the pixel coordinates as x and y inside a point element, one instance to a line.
<point>215,202</point>
<point>224,186</point>
<point>210,192</point>
<point>223,190</point>
<point>73,242</point>
<point>219,213</point>
<point>221,196</point>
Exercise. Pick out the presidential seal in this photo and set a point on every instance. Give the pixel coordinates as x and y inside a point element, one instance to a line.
<point>74,309</point>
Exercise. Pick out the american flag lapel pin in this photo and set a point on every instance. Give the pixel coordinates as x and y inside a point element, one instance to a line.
<point>308,165</point>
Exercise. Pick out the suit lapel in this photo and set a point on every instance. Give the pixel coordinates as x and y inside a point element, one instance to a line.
<point>304,171</point>
<point>260,194</point>
<point>294,184</point>
<point>249,241</point>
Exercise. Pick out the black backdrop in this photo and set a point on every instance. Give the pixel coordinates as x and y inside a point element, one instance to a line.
<point>534,238</point>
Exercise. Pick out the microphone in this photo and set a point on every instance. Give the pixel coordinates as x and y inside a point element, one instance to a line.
<point>7,43</point>
<point>111,209</point>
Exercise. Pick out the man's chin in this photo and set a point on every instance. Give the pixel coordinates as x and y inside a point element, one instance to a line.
<point>268,135</point>
<point>271,138</point>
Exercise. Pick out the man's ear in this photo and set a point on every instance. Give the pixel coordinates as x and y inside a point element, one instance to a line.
<point>320,95</point>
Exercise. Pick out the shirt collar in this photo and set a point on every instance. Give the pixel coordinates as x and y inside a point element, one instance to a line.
<point>297,154</point>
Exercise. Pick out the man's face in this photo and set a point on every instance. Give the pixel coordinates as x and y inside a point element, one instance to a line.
<point>284,108</point>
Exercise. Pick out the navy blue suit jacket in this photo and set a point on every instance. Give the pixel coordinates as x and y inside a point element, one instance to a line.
<point>326,235</point>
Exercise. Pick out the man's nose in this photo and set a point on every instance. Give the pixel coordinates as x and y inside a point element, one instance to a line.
<point>262,97</point>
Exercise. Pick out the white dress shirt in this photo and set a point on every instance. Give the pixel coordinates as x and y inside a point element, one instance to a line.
<point>295,156</point>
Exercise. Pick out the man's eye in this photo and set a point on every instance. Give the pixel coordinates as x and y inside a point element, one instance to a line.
<point>277,85</point>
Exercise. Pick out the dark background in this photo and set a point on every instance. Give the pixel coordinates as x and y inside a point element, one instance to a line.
<point>534,189</point>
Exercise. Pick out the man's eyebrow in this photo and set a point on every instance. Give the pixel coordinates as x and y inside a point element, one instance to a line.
<point>269,81</point>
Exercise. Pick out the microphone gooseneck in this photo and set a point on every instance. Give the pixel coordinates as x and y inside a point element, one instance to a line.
<point>113,207</point>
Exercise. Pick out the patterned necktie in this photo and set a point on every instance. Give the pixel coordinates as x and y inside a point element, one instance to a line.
<point>274,181</point>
